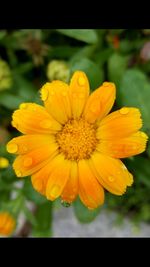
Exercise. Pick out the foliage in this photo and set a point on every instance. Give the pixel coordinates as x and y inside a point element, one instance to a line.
<point>113,55</point>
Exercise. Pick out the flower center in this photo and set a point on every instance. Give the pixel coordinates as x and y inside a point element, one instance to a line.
<point>77,140</point>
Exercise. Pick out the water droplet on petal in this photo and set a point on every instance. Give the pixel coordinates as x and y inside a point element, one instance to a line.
<point>44,94</point>
<point>27,162</point>
<point>106,84</point>
<point>12,148</point>
<point>65,203</point>
<point>124,111</point>
<point>81,81</point>
<point>111,179</point>
<point>18,173</point>
<point>23,106</point>
<point>24,149</point>
<point>143,134</point>
<point>124,167</point>
<point>46,124</point>
<point>54,192</point>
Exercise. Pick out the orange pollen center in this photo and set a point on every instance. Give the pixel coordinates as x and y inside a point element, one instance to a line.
<point>77,140</point>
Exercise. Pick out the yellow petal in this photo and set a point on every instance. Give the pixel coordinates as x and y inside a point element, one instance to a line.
<point>90,191</point>
<point>100,102</point>
<point>26,143</point>
<point>70,191</point>
<point>111,173</point>
<point>58,178</point>
<point>32,161</point>
<point>40,178</point>
<point>120,123</point>
<point>79,92</point>
<point>124,147</point>
<point>34,119</point>
<point>56,100</point>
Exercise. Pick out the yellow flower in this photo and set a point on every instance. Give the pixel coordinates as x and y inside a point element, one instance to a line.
<point>7,223</point>
<point>4,163</point>
<point>71,146</point>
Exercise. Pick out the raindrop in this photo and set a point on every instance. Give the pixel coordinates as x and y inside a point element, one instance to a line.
<point>111,179</point>
<point>81,81</point>
<point>65,204</point>
<point>12,148</point>
<point>124,111</point>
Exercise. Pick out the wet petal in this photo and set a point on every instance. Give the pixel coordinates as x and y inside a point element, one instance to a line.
<point>90,191</point>
<point>124,147</point>
<point>58,178</point>
<point>34,119</point>
<point>111,173</point>
<point>100,102</point>
<point>70,191</point>
<point>56,100</point>
<point>79,92</point>
<point>120,123</point>
<point>27,143</point>
<point>32,161</point>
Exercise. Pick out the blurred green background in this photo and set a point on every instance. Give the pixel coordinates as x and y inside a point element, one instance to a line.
<point>29,58</point>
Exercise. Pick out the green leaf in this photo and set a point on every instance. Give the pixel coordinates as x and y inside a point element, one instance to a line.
<point>117,65</point>
<point>87,36</point>
<point>83,214</point>
<point>9,100</point>
<point>29,215</point>
<point>85,51</point>
<point>26,89</point>
<point>44,220</point>
<point>135,92</point>
<point>93,72</point>
<point>31,194</point>
<point>140,167</point>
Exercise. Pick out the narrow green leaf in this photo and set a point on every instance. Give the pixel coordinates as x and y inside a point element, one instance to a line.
<point>87,36</point>
<point>9,100</point>
<point>44,220</point>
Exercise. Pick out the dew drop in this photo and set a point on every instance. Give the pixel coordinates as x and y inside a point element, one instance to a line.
<point>65,204</point>
<point>12,148</point>
<point>124,111</point>
<point>24,149</point>
<point>23,106</point>
<point>18,173</point>
<point>44,94</point>
<point>27,162</point>
<point>111,179</point>
<point>143,134</point>
<point>54,192</point>
<point>81,81</point>
<point>106,84</point>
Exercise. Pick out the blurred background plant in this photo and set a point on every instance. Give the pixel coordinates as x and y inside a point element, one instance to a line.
<point>29,58</point>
